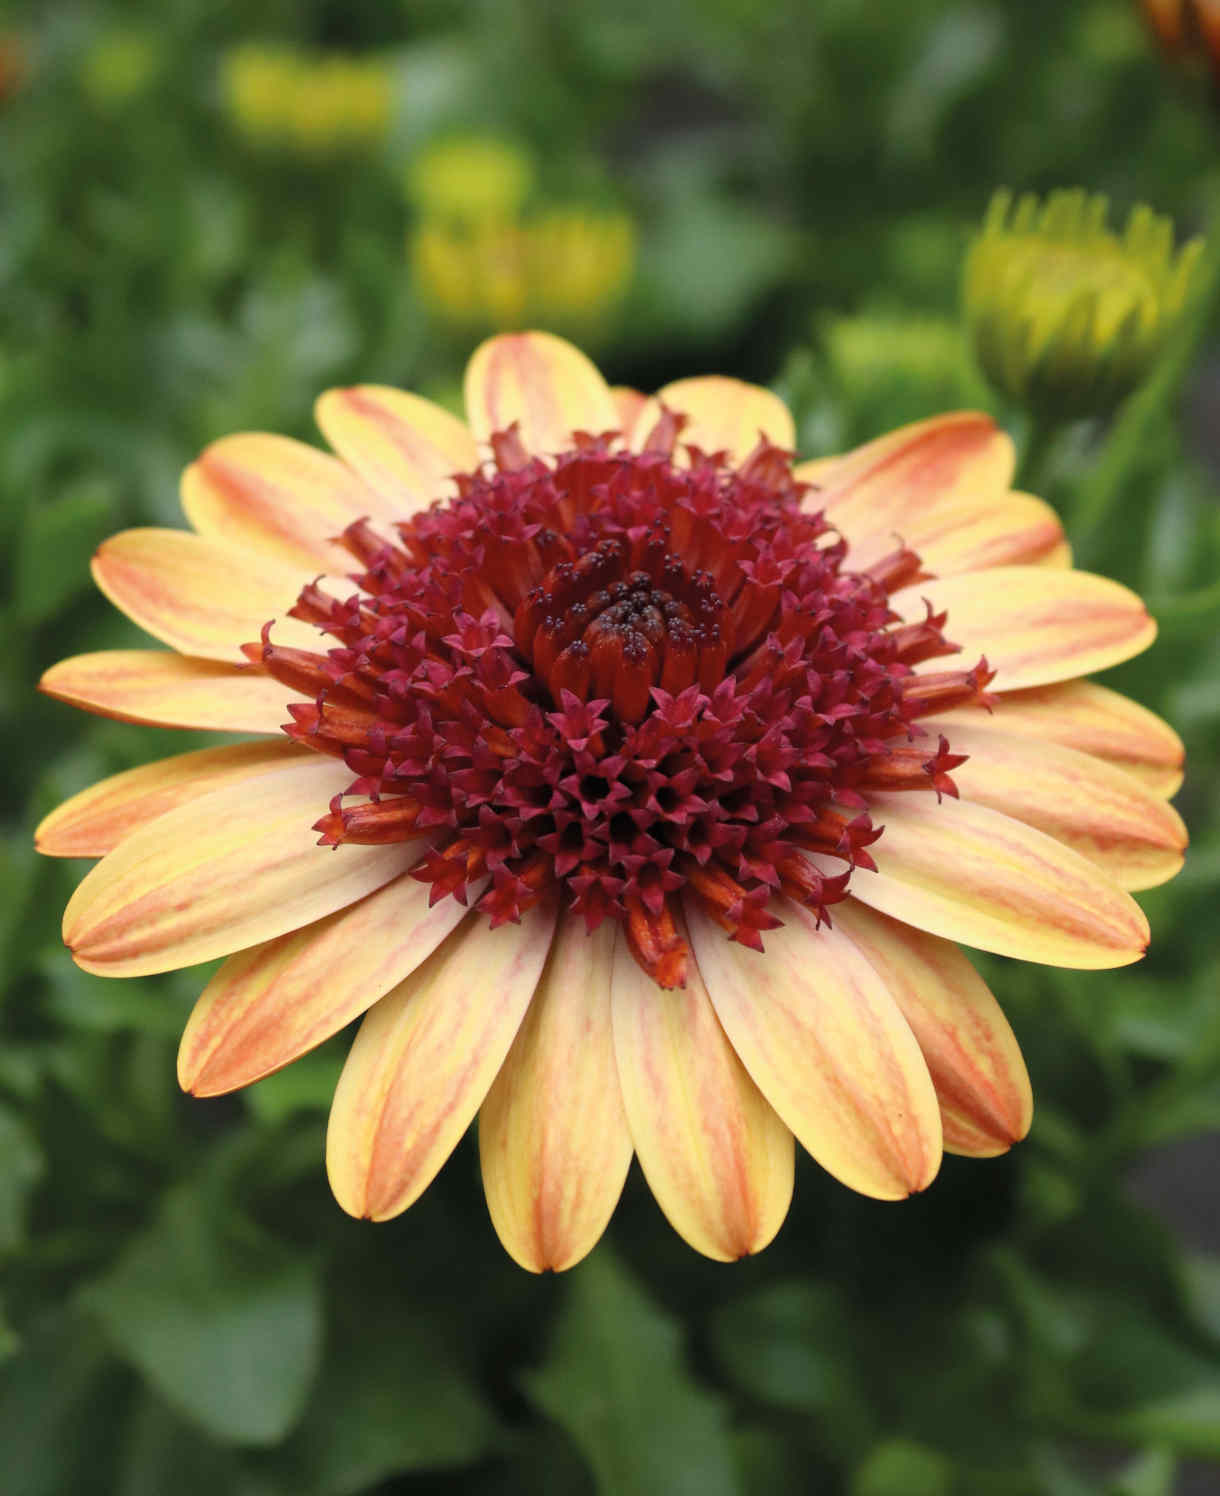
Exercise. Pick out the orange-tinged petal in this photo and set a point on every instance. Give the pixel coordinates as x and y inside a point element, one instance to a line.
<point>722,415</point>
<point>425,1058</point>
<point>974,875</point>
<point>883,488</point>
<point>972,533</point>
<point>96,821</point>
<point>1036,625</point>
<point>544,385</point>
<point>267,1005</point>
<point>714,1153</point>
<point>1094,719</point>
<point>277,496</point>
<point>405,448</point>
<point>628,403</point>
<point>553,1138</point>
<point>826,1045</point>
<point>223,872</point>
<point>1105,814</point>
<point>972,1054</point>
<point>202,597</point>
<point>168,690</point>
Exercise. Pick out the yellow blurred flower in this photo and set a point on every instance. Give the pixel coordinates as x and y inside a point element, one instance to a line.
<point>1065,315</point>
<point>472,178</point>
<point>312,107</point>
<point>566,268</point>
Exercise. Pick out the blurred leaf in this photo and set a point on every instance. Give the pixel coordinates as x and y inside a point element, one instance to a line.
<point>900,1468</point>
<point>1149,1474</point>
<point>1200,1277</point>
<point>223,1320</point>
<point>163,1454</point>
<point>57,540</point>
<point>21,1167</point>
<point>308,1084</point>
<point>616,1380</point>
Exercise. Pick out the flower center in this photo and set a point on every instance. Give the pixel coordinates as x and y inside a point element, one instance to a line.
<point>626,681</point>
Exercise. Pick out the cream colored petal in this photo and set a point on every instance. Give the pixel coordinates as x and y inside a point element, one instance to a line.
<point>268,1005</point>
<point>972,533</point>
<point>278,497</point>
<point>1034,624</point>
<point>1100,811</point>
<point>168,690</point>
<point>544,385</point>
<point>628,403</point>
<point>974,875</point>
<point>223,872</point>
<point>553,1138</point>
<point>1091,718</point>
<point>425,1058</point>
<point>826,1045</point>
<point>882,490</point>
<point>715,1155</point>
<point>202,597</point>
<point>405,448</point>
<point>96,821</point>
<point>722,415</point>
<point>972,1055</point>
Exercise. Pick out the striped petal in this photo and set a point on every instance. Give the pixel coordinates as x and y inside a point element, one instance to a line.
<point>715,1155</point>
<point>1102,812</point>
<point>628,403</point>
<point>268,1005</point>
<point>425,1058</point>
<point>826,1045</point>
<point>886,487</point>
<point>276,496</point>
<point>1091,718</point>
<point>223,872</point>
<point>1035,625</point>
<point>202,597</point>
<point>986,1103</point>
<point>95,821</point>
<point>168,690</point>
<point>546,386</point>
<point>972,533</point>
<point>405,448</point>
<point>974,875</point>
<point>553,1138</point>
<point>722,415</point>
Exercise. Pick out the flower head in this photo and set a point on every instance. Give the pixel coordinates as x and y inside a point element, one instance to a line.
<point>1066,316</point>
<point>634,783</point>
<point>310,106</point>
<point>471,179</point>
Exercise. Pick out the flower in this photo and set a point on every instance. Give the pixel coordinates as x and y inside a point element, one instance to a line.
<point>651,783</point>
<point>314,107</point>
<point>1187,26</point>
<point>471,178</point>
<point>567,267</point>
<point>1066,316</point>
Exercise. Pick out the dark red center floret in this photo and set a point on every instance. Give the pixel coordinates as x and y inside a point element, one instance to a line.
<point>620,678</point>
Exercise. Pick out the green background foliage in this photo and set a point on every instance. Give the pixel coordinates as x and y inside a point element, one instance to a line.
<point>185,1309</point>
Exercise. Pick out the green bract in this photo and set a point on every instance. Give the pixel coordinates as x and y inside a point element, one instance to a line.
<point>1065,315</point>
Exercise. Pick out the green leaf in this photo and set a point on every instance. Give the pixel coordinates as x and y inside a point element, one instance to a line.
<point>223,1321</point>
<point>21,1167</point>
<point>163,1453</point>
<point>616,1379</point>
<point>57,539</point>
<point>1149,1474</point>
<point>902,1468</point>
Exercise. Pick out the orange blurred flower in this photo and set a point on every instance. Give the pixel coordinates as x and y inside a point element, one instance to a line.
<point>655,783</point>
<point>1187,26</point>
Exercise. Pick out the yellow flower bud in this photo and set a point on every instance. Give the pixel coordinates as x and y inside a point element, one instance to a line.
<point>312,107</point>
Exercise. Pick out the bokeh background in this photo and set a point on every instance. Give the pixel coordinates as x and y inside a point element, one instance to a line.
<point>210,211</point>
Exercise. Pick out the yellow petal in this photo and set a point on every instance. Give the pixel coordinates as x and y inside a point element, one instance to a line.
<point>1091,718</point>
<point>715,1155</point>
<point>553,1138</point>
<point>826,1045</point>
<point>222,872</point>
<point>972,1055</point>
<point>202,597</point>
<point>884,488</point>
<point>969,533</point>
<point>405,448</point>
<point>546,386</point>
<point>628,403</point>
<point>722,415</point>
<point>1101,811</point>
<point>974,875</point>
<point>168,690</point>
<point>95,821</point>
<point>425,1058</point>
<point>1034,624</point>
<point>267,1005</point>
<point>278,497</point>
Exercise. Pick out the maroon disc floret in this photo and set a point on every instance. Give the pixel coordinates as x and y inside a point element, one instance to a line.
<point>622,679</point>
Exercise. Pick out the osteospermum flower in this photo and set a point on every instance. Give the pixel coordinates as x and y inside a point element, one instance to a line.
<point>632,782</point>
